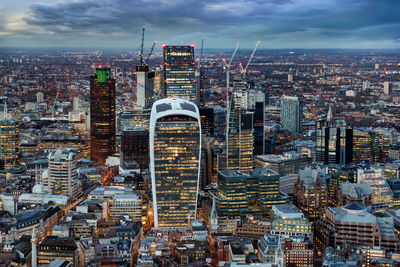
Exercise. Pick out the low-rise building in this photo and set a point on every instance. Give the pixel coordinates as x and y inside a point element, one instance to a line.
<point>290,222</point>
<point>53,248</point>
<point>354,224</point>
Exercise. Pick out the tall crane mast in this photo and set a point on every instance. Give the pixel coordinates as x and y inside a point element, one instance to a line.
<point>251,56</point>
<point>201,52</point>
<point>227,68</point>
<point>141,47</point>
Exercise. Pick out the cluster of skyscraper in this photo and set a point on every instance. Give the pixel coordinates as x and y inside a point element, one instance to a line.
<point>174,138</point>
<point>175,130</point>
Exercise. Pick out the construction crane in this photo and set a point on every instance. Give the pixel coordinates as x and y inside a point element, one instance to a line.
<point>151,52</point>
<point>141,47</point>
<point>55,99</point>
<point>227,68</point>
<point>251,56</point>
<point>201,52</point>
<point>244,70</point>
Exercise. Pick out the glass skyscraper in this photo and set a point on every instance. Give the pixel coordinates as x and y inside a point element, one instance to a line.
<point>175,142</point>
<point>334,145</point>
<point>135,146</point>
<point>291,114</point>
<point>102,114</point>
<point>180,72</point>
<point>259,136</point>
<point>9,151</point>
<point>240,141</point>
<point>144,86</point>
<point>62,174</point>
<point>362,146</point>
<point>207,121</point>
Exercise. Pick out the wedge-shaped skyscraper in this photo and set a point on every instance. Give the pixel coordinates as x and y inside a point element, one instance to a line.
<point>175,141</point>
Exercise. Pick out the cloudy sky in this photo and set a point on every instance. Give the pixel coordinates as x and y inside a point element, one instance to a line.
<point>277,23</point>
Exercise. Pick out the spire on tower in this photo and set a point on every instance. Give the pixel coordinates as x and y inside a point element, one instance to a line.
<point>329,117</point>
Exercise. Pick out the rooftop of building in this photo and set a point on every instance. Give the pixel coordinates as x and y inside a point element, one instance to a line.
<point>134,129</point>
<point>264,172</point>
<point>233,173</point>
<point>61,154</point>
<point>174,104</point>
<point>354,213</point>
<point>66,243</point>
<point>356,190</point>
<point>310,175</point>
<point>237,248</point>
<point>287,208</point>
<point>59,263</point>
<point>287,156</point>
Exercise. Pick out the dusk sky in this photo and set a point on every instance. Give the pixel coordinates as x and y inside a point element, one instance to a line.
<point>277,23</point>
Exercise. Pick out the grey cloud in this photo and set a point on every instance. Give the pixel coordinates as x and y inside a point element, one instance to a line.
<point>225,19</point>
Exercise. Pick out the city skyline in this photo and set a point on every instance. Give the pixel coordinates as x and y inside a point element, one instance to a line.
<point>197,149</point>
<point>278,24</point>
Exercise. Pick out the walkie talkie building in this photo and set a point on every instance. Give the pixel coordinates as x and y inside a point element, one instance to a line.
<point>175,141</point>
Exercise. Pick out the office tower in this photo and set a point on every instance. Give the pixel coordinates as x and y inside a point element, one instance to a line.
<point>382,139</point>
<point>362,146</point>
<point>62,175</point>
<point>395,186</point>
<point>159,84</point>
<point>290,221</point>
<point>102,114</point>
<point>387,88</point>
<point>175,142</point>
<point>9,144</point>
<point>208,158</point>
<point>354,225</point>
<point>202,90</point>
<point>39,97</point>
<point>310,194</point>
<point>259,135</point>
<point>254,96</point>
<point>284,164</point>
<point>334,145</point>
<point>291,114</point>
<point>239,94</point>
<point>376,66</point>
<point>144,86</point>
<point>135,146</point>
<point>382,195</point>
<point>240,141</point>
<point>180,72</point>
<point>57,248</point>
<point>207,121</point>
<point>241,193</point>
<point>119,201</point>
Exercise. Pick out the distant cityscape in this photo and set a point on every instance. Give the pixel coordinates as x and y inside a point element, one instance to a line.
<point>178,155</point>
